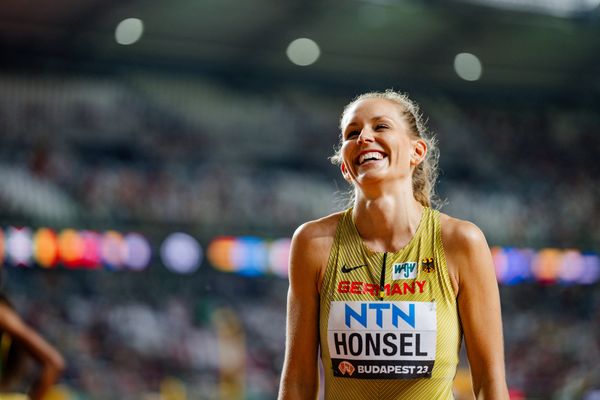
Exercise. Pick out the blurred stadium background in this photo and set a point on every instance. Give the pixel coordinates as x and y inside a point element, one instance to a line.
<point>155,158</point>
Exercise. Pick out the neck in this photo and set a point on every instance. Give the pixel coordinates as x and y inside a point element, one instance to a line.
<point>389,220</point>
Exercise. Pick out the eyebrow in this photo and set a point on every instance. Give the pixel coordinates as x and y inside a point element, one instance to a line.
<point>372,120</point>
<point>381,117</point>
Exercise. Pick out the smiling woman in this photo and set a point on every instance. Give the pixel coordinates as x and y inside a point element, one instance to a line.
<point>380,286</point>
<point>425,174</point>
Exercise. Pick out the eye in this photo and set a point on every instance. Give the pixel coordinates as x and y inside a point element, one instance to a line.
<point>380,127</point>
<point>353,133</point>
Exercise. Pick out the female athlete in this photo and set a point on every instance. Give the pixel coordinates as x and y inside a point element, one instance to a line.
<point>385,291</point>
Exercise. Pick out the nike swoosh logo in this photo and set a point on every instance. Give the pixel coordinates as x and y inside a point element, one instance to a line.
<point>346,269</point>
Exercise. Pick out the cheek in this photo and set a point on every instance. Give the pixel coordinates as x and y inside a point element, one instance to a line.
<point>405,146</point>
<point>345,151</point>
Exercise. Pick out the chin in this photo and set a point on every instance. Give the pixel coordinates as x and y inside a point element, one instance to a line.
<point>370,178</point>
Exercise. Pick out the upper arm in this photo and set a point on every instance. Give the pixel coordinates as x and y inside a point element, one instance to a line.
<point>34,344</point>
<point>308,256</point>
<point>478,306</point>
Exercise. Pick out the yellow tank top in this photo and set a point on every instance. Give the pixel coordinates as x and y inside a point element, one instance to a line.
<point>390,335</point>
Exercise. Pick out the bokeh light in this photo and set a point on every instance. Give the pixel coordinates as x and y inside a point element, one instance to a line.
<point>303,52</point>
<point>591,273</point>
<point>181,253</point>
<point>113,250</point>
<point>70,248</point>
<point>572,267</point>
<point>19,246</point>
<point>220,251</point>
<point>546,265</point>
<point>250,256</point>
<point>129,31</point>
<point>279,254</point>
<point>139,252</point>
<point>2,247</point>
<point>45,247</point>
<point>468,67</point>
<point>91,256</point>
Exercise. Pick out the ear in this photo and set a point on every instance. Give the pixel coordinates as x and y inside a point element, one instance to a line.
<point>419,152</point>
<point>345,172</point>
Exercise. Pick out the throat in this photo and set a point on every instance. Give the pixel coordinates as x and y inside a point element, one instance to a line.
<point>388,245</point>
<point>387,231</point>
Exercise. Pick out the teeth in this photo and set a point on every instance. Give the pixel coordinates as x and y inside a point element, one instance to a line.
<point>371,155</point>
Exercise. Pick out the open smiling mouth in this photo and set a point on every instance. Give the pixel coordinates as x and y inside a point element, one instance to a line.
<point>370,156</point>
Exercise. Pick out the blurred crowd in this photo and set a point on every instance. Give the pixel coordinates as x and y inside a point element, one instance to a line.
<point>511,165</point>
<point>145,150</point>
<point>126,337</point>
<point>551,341</point>
<point>152,153</point>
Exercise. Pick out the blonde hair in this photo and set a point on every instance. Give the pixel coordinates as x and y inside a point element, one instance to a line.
<point>425,173</point>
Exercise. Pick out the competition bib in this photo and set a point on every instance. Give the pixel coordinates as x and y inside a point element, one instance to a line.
<point>382,339</point>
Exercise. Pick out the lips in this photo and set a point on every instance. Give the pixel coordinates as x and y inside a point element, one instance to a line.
<point>370,155</point>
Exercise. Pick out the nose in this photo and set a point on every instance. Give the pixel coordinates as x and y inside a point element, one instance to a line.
<point>366,136</point>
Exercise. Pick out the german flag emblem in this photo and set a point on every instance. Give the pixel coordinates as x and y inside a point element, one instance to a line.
<point>427,265</point>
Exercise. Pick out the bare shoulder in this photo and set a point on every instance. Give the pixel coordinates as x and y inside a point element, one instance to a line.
<point>465,248</point>
<point>311,245</point>
<point>459,235</point>
<point>318,232</point>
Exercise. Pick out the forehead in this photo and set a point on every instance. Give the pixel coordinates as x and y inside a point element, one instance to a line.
<point>371,108</point>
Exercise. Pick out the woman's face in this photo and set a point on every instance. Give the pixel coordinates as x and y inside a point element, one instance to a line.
<point>377,144</point>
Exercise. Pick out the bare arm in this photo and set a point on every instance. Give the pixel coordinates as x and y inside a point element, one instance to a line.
<point>470,260</point>
<point>51,362</point>
<point>299,378</point>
